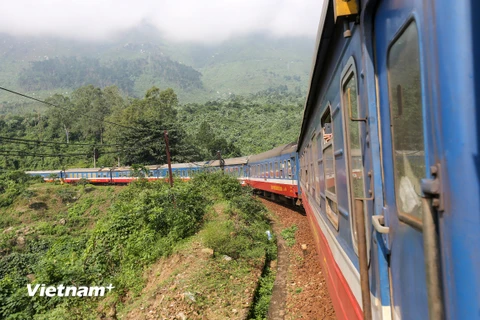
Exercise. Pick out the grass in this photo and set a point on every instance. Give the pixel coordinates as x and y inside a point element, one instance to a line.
<point>289,235</point>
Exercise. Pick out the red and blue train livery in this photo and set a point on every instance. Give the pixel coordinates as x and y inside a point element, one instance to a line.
<point>389,157</point>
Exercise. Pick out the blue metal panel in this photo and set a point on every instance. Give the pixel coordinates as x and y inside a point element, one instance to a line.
<point>459,91</point>
<point>407,265</point>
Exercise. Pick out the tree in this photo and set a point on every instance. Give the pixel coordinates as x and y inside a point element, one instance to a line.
<point>62,114</point>
<point>148,118</point>
<point>89,101</point>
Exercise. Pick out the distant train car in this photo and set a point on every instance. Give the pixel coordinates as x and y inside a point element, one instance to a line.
<point>235,167</point>
<point>101,175</point>
<point>47,175</point>
<point>275,171</point>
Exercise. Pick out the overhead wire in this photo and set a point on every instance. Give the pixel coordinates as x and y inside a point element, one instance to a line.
<point>19,153</point>
<point>84,115</point>
<point>39,142</point>
<point>28,141</point>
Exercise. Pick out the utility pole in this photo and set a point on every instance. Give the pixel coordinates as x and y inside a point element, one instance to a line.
<point>222,162</point>
<point>170,176</point>
<point>94,157</point>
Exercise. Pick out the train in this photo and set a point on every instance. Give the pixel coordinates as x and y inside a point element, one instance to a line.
<point>273,172</point>
<point>387,162</point>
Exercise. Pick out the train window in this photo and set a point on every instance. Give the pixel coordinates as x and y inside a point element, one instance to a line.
<point>276,169</point>
<point>321,185</point>
<point>314,169</point>
<point>407,123</point>
<point>353,140</point>
<point>309,168</point>
<point>305,165</point>
<point>329,168</point>
<point>289,169</point>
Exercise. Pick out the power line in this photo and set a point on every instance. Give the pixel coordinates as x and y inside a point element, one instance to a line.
<point>19,153</point>
<point>84,115</point>
<point>7,139</point>
<point>22,153</point>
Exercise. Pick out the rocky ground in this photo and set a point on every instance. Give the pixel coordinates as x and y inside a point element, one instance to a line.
<point>303,293</point>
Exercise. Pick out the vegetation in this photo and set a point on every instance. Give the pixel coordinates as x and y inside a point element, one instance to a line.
<point>252,124</point>
<point>73,72</point>
<point>289,235</point>
<point>73,235</point>
<point>14,184</point>
<point>263,295</point>
<point>237,126</point>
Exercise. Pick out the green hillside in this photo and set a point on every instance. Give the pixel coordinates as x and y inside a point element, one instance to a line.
<point>139,59</point>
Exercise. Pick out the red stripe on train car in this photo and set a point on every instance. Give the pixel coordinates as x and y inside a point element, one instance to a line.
<point>344,302</point>
<point>287,190</point>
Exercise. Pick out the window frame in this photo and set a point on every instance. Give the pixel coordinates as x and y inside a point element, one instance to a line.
<point>334,219</point>
<point>350,72</point>
<point>409,219</point>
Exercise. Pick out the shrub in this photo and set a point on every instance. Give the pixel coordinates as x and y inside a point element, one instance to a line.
<point>82,182</point>
<point>222,238</point>
<point>67,194</point>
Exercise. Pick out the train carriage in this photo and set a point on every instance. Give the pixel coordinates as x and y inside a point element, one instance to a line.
<point>389,139</point>
<point>236,167</point>
<point>275,171</point>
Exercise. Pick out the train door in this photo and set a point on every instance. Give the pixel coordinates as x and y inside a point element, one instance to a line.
<point>405,111</point>
<point>360,188</point>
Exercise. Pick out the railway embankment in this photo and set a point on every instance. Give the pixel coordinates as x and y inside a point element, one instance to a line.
<point>301,291</point>
<point>194,251</point>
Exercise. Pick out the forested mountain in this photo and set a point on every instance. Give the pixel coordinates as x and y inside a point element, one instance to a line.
<point>140,58</point>
<point>73,72</point>
<point>131,130</point>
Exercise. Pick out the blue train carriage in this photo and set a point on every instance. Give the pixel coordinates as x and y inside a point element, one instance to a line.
<point>235,167</point>
<point>47,175</point>
<point>184,171</point>
<point>275,172</point>
<point>93,175</point>
<point>389,158</point>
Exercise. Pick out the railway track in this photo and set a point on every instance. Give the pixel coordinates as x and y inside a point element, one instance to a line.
<point>300,290</point>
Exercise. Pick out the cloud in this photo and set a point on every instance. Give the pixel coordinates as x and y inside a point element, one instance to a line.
<point>179,20</point>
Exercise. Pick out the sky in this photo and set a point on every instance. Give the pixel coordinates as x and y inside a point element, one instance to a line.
<point>203,21</point>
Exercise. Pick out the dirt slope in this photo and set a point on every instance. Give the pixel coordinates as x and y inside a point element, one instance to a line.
<point>307,295</point>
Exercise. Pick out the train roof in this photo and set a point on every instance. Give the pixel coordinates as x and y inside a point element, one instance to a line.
<point>229,162</point>
<point>324,35</point>
<point>187,165</point>
<point>280,150</point>
<point>101,169</point>
<point>42,171</point>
